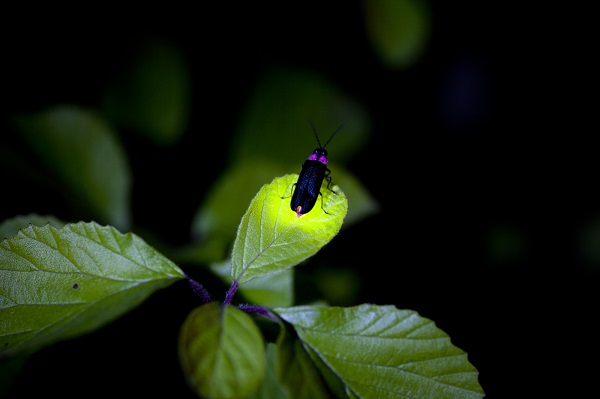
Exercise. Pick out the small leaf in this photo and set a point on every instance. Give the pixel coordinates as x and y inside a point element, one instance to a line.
<point>57,284</point>
<point>82,150</point>
<point>384,352</point>
<point>398,29</point>
<point>222,352</point>
<point>272,238</point>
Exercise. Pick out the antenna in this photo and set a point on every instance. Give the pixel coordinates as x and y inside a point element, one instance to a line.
<point>317,136</point>
<point>334,133</point>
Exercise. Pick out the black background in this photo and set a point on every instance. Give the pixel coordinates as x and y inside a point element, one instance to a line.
<point>489,128</point>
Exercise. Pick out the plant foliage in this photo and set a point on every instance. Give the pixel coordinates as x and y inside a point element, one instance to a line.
<point>61,279</point>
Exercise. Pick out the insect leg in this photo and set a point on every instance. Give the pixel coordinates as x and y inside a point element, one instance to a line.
<point>328,177</point>
<point>291,193</point>
<point>322,204</point>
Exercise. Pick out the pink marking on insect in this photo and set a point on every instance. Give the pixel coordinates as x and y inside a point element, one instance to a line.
<point>317,156</point>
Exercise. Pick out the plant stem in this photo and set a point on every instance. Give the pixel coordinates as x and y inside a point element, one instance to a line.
<point>199,289</point>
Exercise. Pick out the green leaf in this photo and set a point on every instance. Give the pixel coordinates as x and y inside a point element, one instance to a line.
<point>215,222</point>
<point>271,238</point>
<point>398,29</point>
<point>10,227</point>
<point>152,95</point>
<point>59,283</point>
<point>222,352</point>
<point>274,123</point>
<point>384,352</point>
<point>271,388</point>
<point>82,150</point>
<point>295,369</point>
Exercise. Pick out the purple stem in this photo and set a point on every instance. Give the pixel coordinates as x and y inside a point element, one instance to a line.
<point>199,290</point>
<point>231,292</point>
<point>255,309</point>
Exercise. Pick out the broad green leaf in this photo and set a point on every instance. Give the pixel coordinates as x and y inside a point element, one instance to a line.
<point>222,352</point>
<point>274,123</point>
<point>384,352</point>
<point>59,283</point>
<point>272,238</point>
<point>399,30</point>
<point>10,227</point>
<point>152,95</point>
<point>270,291</point>
<point>82,150</point>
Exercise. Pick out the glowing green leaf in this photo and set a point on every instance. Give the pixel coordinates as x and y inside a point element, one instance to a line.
<point>222,352</point>
<point>383,352</point>
<point>58,283</point>
<point>272,238</point>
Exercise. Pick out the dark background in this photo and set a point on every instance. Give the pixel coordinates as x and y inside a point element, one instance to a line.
<point>486,131</point>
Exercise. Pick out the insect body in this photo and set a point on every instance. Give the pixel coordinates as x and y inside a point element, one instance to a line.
<point>314,170</point>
